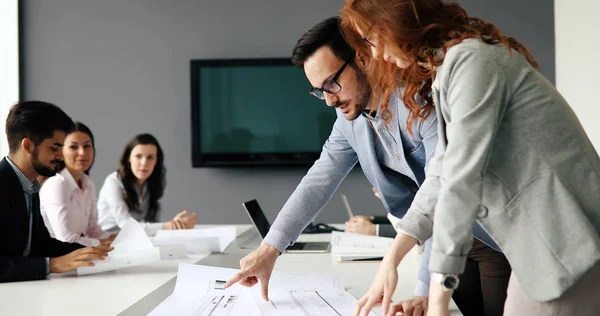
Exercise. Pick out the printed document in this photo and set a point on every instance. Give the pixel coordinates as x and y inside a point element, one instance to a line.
<point>199,291</point>
<point>132,248</point>
<point>207,240</point>
<point>350,247</point>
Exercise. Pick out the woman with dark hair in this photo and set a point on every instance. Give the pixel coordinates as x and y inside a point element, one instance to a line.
<point>136,188</point>
<point>511,155</point>
<point>68,199</point>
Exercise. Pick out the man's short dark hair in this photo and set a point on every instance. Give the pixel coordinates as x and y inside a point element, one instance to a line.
<point>325,33</point>
<point>35,120</point>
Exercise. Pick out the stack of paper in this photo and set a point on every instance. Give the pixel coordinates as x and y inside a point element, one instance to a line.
<point>200,291</point>
<point>355,247</point>
<point>206,240</point>
<point>132,248</point>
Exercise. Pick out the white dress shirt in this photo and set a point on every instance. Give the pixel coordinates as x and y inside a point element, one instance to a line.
<point>113,211</point>
<point>69,211</point>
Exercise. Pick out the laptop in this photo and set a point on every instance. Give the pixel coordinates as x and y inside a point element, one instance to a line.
<point>262,225</point>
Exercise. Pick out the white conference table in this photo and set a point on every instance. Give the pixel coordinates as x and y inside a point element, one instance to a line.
<point>138,290</point>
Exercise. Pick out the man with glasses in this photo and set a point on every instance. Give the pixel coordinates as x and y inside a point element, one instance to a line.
<point>393,160</point>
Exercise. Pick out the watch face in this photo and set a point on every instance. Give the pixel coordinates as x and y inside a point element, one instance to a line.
<point>450,282</point>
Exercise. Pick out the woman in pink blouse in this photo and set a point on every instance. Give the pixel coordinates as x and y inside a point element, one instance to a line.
<point>68,199</point>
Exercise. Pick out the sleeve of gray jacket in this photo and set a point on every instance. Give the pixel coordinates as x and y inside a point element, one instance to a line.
<point>314,191</point>
<point>475,98</point>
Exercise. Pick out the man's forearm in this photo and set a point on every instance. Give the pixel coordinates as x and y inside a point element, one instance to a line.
<point>313,192</point>
<point>22,269</point>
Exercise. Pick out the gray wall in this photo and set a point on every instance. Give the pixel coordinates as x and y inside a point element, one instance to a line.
<point>122,68</point>
<point>531,22</point>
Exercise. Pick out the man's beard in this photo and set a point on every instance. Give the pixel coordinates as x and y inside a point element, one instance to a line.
<point>363,93</point>
<point>40,168</point>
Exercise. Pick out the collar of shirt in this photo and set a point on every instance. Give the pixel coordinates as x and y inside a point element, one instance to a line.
<point>143,192</point>
<point>85,180</point>
<point>368,114</point>
<point>378,116</point>
<point>30,187</point>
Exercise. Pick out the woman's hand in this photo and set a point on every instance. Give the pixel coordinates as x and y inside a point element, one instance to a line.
<point>108,240</point>
<point>188,221</point>
<point>386,279</point>
<point>173,225</point>
<point>381,289</point>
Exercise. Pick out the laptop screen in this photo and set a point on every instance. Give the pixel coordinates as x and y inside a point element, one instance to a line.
<point>258,217</point>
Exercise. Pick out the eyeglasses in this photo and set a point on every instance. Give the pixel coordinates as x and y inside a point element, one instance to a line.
<point>368,42</point>
<point>331,86</point>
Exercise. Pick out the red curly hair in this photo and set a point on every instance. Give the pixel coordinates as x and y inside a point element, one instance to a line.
<point>416,29</point>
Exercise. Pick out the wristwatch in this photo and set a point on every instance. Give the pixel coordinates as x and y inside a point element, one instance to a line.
<point>447,280</point>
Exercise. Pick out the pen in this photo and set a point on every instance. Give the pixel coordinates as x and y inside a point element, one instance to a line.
<point>347,206</point>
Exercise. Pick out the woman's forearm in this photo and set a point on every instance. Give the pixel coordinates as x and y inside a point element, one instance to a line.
<point>402,245</point>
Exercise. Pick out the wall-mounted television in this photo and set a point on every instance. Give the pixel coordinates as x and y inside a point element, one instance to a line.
<point>252,112</point>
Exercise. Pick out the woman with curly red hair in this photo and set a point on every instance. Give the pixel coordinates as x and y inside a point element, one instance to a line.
<point>511,155</point>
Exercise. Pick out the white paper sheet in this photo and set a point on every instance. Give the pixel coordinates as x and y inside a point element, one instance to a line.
<point>132,248</point>
<point>305,294</point>
<point>349,243</point>
<point>170,252</point>
<point>197,293</point>
<point>207,240</point>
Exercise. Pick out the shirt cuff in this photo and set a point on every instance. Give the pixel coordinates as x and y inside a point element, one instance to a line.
<point>444,263</point>
<point>376,229</point>
<point>152,228</point>
<point>47,266</point>
<point>277,239</point>
<point>422,289</point>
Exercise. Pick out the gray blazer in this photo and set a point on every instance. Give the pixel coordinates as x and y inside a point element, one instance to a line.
<point>513,156</point>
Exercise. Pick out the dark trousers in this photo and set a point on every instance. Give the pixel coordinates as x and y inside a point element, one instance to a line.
<point>482,288</point>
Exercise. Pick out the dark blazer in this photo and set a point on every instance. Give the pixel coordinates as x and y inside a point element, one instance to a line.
<point>14,231</point>
<point>385,227</point>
